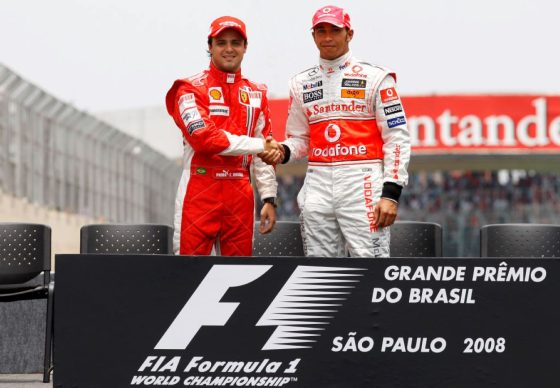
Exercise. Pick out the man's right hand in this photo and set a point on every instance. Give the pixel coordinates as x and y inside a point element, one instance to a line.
<point>273,151</point>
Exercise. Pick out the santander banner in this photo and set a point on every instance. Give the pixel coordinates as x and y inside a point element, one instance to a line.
<point>472,123</point>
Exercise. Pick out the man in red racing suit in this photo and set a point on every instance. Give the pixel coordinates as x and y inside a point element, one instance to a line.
<point>224,119</point>
<point>345,115</point>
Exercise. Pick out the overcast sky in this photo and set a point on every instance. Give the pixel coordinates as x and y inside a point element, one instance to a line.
<point>116,54</point>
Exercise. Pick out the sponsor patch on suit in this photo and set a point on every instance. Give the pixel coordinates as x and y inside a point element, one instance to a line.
<point>189,115</point>
<point>392,109</point>
<point>219,110</point>
<point>389,94</point>
<point>216,95</point>
<point>392,123</point>
<point>354,83</point>
<point>313,96</point>
<point>195,125</point>
<point>313,85</point>
<point>353,93</point>
<point>186,101</point>
<point>250,98</point>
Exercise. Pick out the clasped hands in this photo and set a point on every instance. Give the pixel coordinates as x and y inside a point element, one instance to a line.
<point>273,151</point>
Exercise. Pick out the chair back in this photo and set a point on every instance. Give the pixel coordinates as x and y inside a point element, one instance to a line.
<point>284,240</point>
<point>520,240</point>
<point>25,264</point>
<point>126,239</point>
<point>416,239</point>
<point>25,252</point>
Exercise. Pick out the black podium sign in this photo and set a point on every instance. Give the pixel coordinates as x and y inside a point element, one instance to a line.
<point>126,321</point>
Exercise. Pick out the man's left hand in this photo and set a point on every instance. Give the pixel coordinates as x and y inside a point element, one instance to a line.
<point>385,213</point>
<point>268,218</point>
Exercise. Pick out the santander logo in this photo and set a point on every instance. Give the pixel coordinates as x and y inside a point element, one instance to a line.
<point>496,122</point>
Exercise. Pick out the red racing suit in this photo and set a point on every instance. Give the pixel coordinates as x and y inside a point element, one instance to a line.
<point>224,118</point>
<point>347,118</point>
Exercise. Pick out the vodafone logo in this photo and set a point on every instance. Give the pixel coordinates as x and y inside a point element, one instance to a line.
<point>357,68</point>
<point>332,133</point>
<point>389,94</point>
<point>326,10</point>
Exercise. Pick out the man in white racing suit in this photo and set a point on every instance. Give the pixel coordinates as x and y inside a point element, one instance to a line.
<point>345,115</point>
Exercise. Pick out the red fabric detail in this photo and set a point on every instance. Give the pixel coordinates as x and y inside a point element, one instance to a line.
<point>341,140</point>
<point>215,208</point>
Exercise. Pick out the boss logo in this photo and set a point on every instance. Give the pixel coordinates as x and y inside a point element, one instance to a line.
<point>313,96</point>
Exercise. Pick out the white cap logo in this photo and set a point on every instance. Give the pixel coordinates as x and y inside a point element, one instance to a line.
<point>326,10</point>
<point>332,133</point>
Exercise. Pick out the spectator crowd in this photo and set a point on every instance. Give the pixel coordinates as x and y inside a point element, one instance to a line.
<point>461,202</point>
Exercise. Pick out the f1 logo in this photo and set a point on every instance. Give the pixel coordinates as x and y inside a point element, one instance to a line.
<point>293,310</point>
<point>204,307</point>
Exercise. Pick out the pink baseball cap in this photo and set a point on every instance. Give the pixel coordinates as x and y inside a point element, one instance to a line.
<point>333,15</point>
<point>225,22</point>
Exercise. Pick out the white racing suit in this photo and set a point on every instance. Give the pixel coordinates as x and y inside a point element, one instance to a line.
<point>347,118</point>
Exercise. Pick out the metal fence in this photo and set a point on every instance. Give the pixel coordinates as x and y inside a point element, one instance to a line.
<point>65,159</point>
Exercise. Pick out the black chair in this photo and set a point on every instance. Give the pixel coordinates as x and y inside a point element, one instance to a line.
<point>284,240</point>
<point>416,239</point>
<point>126,239</point>
<point>520,240</point>
<point>25,264</point>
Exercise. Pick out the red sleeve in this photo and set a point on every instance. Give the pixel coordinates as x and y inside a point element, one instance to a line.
<point>267,130</point>
<point>189,109</point>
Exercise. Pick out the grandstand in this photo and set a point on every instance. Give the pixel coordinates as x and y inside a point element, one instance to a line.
<point>65,168</point>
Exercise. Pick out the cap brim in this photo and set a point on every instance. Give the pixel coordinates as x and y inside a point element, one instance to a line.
<point>329,20</point>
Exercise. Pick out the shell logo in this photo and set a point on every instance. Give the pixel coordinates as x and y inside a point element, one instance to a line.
<point>215,94</point>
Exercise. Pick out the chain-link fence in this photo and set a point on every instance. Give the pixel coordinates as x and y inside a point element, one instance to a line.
<point>65,159</point>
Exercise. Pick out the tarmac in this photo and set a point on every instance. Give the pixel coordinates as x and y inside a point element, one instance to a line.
<point>24,381</point>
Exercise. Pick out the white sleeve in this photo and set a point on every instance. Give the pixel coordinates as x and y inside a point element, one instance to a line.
<point>297,126</point>
<point>242,145</point>
<point>391,121</point>
<point>264,174</point>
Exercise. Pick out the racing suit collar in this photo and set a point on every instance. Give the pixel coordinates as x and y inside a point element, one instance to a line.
<point>335,65</point>
<point>222,76</point>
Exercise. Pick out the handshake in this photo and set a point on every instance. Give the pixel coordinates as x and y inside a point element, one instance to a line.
<point>273,151</point>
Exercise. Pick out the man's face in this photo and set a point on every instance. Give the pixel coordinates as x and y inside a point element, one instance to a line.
<point>332,41</point>
<point>227,50</point>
